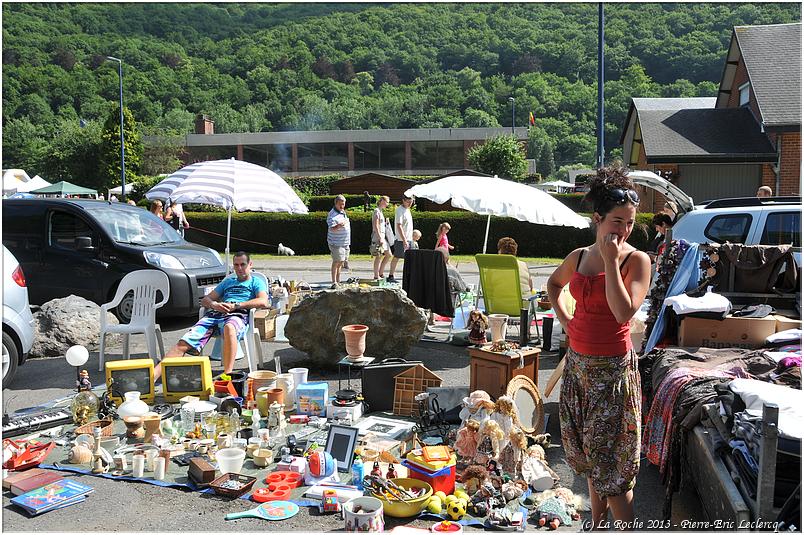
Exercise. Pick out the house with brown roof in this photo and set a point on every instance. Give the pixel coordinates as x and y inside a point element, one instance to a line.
<point>747,136</point>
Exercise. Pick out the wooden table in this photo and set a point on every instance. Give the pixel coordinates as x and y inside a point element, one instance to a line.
<point>491,371</point>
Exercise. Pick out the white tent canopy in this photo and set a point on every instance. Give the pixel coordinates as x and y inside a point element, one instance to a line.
<point>35,183</point>
<point>130,186</point>
<point>558,184</point>
<point>495,196</point>
<point>13,179</point>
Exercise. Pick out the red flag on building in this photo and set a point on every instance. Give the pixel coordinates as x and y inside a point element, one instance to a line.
<point>532,119</point>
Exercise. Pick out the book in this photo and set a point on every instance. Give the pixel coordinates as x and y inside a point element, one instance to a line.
<point>14,477</point>
<point>34,482</point>
<point>53,496</point>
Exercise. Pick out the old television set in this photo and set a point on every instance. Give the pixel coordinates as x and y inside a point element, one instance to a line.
<point>186,376</point>
<point>129,375</point>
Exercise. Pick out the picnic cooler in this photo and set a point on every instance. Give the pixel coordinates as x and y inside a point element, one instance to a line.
<point>438,474</point>
<point>379,381</point>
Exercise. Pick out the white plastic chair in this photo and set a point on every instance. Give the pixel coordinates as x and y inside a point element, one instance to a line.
<point>145,284</point>
<point>252,346</point>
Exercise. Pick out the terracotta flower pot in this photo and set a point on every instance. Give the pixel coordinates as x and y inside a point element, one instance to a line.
<point>355,340</point>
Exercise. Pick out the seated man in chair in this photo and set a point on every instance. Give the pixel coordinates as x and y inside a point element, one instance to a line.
<point>228,306</point>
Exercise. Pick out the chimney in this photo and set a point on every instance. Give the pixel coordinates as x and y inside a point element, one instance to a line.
<point>204,125</point>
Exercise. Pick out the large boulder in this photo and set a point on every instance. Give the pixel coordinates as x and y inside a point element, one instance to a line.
<point>66,322</point>
<point>395,322</point>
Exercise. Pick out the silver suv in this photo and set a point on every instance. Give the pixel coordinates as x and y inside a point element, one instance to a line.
<point>18,322</point>
<point>748,220</point>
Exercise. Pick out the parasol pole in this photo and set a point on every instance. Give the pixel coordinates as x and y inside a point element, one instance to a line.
<point>228,235</point>
<point>485,241</point>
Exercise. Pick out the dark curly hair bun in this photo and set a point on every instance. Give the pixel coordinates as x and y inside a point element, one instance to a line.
<point>608,178</point>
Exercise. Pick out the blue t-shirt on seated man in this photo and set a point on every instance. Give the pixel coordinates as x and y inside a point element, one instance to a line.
<point>228,306</point>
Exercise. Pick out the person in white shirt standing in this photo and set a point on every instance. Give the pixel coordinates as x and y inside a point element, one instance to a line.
<point>339,237</point>
<point>403,228</point>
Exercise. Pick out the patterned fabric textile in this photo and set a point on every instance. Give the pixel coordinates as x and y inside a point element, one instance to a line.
<point>600,415</point>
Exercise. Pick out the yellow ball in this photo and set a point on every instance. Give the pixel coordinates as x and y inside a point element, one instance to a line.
<point>434,505</point>
<point>461,494</point>
<point>441,494</point>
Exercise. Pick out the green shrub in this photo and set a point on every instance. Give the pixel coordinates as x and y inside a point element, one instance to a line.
<point>324,203</point>
<point>312,185</point>
<point>306,233</point>
<point>574,201</point>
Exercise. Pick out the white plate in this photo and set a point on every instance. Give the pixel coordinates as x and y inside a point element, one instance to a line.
<point>201,406</point>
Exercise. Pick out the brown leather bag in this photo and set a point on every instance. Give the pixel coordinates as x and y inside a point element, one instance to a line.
<point>756,268</point>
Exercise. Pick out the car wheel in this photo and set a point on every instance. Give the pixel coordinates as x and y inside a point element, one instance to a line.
<point>123,310</point>
<point>10,359</point>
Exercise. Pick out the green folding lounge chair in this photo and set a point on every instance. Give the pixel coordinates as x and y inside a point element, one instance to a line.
<point>502,294</point>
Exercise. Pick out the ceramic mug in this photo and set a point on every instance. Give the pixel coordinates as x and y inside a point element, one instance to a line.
<point>251,448</point>
<point>224,441</point>
<point>368,518</point>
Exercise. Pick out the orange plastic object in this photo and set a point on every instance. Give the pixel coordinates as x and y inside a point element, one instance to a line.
<point>436,453</point>
<point>224,386</point>
<point>294,479</point>
<point>274,492</point>
<point>27,455</point>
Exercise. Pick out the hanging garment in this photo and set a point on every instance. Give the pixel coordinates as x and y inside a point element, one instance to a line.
<point>425,280</point>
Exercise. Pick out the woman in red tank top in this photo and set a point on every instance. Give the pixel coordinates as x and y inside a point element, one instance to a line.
<point>600,399</point>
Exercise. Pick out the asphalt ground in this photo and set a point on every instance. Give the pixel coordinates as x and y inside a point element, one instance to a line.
<point>118,506</point>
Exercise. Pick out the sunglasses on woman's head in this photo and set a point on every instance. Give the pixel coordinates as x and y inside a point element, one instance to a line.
<point>621,196</point>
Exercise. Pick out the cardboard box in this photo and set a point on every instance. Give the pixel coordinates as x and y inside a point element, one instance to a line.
<point>265,322</point>
<point>746,333</point>
<point>783,323</point>
<point>311,398</point>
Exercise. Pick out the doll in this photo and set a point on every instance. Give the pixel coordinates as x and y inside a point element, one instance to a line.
<point>504,415</point>
<point>478,323</point>
<point>557,507</point>
<point>473,478</point>
<point>536,471</point>
<point>513,490</point>
<point>467,439</point>
<point>489,446</point>
<point>512,453</point>
<point>478,406</point>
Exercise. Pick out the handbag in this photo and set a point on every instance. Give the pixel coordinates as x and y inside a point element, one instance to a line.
<point>390,236</point>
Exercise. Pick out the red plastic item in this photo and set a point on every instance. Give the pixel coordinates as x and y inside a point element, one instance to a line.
<point>224,387</point>
<point>28,455</point>
<point>443,480</point>
<point>274,492</point>
<point>293,479</point>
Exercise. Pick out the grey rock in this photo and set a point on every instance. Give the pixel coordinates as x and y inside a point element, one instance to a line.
<point>395,322</point>
<point>66,322</point>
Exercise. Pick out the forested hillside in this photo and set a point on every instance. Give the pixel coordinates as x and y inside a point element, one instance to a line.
<point>270,67</point>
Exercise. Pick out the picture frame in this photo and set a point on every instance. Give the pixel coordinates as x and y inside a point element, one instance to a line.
<point>341,442</point>
<point>385,427</point>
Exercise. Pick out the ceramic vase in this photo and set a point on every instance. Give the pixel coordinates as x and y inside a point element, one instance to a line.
<point>497,323</point>
<point>261,378</point>
<point>355,336</point>
<point>134,427</point>
<point>285,382</point>
<point>152,422</point>
<point>132,406</point>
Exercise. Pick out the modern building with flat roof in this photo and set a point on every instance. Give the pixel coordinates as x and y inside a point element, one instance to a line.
<point>412,151</point>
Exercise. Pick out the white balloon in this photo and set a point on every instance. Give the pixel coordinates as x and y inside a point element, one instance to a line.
<point>77,355</point>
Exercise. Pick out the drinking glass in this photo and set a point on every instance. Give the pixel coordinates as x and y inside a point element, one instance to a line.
<point>187,418</point>
<point>209,423</point>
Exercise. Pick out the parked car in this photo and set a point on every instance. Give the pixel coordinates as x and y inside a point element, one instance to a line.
<point>748,220</point>
<point>85,247</point>
<point>18,322</point>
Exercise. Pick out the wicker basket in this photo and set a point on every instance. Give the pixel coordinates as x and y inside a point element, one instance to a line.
<point>106,427</point>
<point>246,483</point>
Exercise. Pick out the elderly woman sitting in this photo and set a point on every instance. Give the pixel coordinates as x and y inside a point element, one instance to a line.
<point>508,246</point>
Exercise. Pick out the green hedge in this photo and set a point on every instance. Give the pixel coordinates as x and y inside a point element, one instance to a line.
<point>306,233</point>
<point>324,203</point>
<point>574,201</point>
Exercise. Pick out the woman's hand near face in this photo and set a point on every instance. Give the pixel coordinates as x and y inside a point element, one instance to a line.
<point>611,247</point>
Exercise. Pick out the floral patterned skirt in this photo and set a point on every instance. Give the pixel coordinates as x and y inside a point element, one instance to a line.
<point>600,415</point>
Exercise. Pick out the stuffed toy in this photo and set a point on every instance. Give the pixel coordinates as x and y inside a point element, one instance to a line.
<point>477,324</point>
<point>555,508</point>
<point>478,406</point>
<point>513,490</point>
<point>485,499</point>
<point>536,471</point>
<point>489,446</point>
<point>467,439</point>
<point>473,478</point>
<point>504,415</point>
<point>513,453</point>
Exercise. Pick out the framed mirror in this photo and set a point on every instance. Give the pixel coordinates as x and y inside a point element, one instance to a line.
<point>529,413</point>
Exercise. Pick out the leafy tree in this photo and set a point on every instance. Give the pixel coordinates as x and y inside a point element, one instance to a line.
<point>474,118</point>
<point>109,170</point>
<point>503,156</point>
<point>540,148</point>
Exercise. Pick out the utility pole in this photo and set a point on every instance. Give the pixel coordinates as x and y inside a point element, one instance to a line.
<point>513,115</point>
<point>600,81</point>
<point>122,136</point>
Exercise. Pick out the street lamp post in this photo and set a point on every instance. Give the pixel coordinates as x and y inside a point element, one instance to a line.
<point>122,135</point>
<point>513,115</point>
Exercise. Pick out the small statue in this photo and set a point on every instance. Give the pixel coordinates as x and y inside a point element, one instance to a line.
<point>276,417</point>
<point>375,470</point>
<point>99,464</point>
<point>478,323</point>
<point>83,382</point>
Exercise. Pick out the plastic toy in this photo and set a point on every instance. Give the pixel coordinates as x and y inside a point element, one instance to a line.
<point>456,509</point>
<point>329,502</point>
